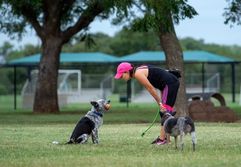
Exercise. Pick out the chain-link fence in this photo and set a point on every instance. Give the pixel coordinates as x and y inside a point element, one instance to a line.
<point>103,85</point>
<point>73,87</point>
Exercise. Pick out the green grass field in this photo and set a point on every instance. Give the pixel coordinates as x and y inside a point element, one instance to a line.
<point>26,140</point>
<point>120,145</point>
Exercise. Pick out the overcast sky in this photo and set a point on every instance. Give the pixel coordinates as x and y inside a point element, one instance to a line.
<point>208,25</point>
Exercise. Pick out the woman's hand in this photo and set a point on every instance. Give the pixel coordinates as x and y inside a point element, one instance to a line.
<point>162,108</point>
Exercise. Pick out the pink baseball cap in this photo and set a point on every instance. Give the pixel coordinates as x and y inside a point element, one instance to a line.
<point>122,67</point>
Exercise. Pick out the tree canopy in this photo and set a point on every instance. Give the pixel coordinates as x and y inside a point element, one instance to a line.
<point>55,23</point>
<point>67,16</point>
<point>232,12</point>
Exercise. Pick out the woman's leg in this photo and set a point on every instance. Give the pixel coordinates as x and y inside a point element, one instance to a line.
<point>162,133</point>
<point>169,95</point>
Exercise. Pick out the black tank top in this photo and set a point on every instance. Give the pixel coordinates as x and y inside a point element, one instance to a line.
<point>159,77</point>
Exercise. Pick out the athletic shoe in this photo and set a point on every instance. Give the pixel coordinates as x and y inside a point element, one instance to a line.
<point>159,141</point>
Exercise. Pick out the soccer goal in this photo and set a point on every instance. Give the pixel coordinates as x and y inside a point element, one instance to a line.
<point>213,83</point>
<point>69,87</point>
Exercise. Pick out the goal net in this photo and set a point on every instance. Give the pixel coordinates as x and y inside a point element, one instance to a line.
<point>69,87</point>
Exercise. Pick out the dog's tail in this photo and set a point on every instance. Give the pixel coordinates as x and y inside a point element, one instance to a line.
<point>190,122</point>
<point>194,140</point>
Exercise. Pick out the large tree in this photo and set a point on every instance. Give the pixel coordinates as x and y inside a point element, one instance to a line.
<point>55,23</point>
<point>161,15</point>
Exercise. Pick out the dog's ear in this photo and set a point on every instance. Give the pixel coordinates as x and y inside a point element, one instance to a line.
<point>165,115</point>
<point>94,103</point>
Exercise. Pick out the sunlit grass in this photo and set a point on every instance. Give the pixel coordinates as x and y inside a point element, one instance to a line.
<point>120,145</point>
<point>26,140</point>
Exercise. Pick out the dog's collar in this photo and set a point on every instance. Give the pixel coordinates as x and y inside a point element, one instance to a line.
<point>98,113</point>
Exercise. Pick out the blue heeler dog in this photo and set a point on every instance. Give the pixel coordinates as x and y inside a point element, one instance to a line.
<point>90,123</point>
<point>178,126</point>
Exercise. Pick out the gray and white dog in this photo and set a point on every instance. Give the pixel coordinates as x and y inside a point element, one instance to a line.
<point>90,123</point>
<point>178,127</point>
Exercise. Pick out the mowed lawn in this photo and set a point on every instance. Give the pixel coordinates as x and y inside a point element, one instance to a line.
<point>26,140</point>
<point>30,144</point>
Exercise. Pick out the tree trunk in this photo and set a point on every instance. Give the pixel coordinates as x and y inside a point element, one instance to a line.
<point>174,59</point>
<point>46,98</point>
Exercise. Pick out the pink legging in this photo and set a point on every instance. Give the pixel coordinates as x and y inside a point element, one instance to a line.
<point>169,95</point>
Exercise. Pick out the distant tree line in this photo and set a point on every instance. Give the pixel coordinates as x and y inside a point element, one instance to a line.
<point>122,43</point>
